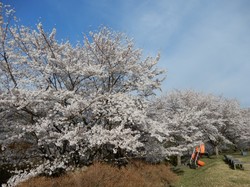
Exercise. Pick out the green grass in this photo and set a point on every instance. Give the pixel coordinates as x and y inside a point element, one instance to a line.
<point>216,173</point>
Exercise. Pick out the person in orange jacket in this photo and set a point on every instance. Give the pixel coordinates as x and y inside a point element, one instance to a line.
<point>198,153</point>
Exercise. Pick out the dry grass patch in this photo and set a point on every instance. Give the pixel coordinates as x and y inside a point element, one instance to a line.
<point>20,145</point>
<point>136,174</point>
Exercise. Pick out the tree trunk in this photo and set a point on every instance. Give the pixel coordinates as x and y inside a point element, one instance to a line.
<point>178,160</point>
<point>216,150</point>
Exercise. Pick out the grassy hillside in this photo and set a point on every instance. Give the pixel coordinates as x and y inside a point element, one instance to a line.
<point>216,173</point>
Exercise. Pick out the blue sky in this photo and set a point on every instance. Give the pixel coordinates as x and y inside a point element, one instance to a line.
<point>204,44</point>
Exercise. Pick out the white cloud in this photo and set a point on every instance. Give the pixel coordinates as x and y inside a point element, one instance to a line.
<point>205,45</point>
<point>154,23</point>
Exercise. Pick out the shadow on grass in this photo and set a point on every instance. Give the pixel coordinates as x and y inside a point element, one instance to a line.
<point>178,170</point>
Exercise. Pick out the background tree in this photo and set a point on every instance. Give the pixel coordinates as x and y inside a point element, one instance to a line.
<point>193,117</point>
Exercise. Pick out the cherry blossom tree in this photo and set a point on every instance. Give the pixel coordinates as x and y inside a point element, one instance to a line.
<point>193,117</point>
<point>243,140</point>
<point>73,101</point>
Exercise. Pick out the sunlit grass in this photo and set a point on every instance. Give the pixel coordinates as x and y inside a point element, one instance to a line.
<point>216,173</point>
